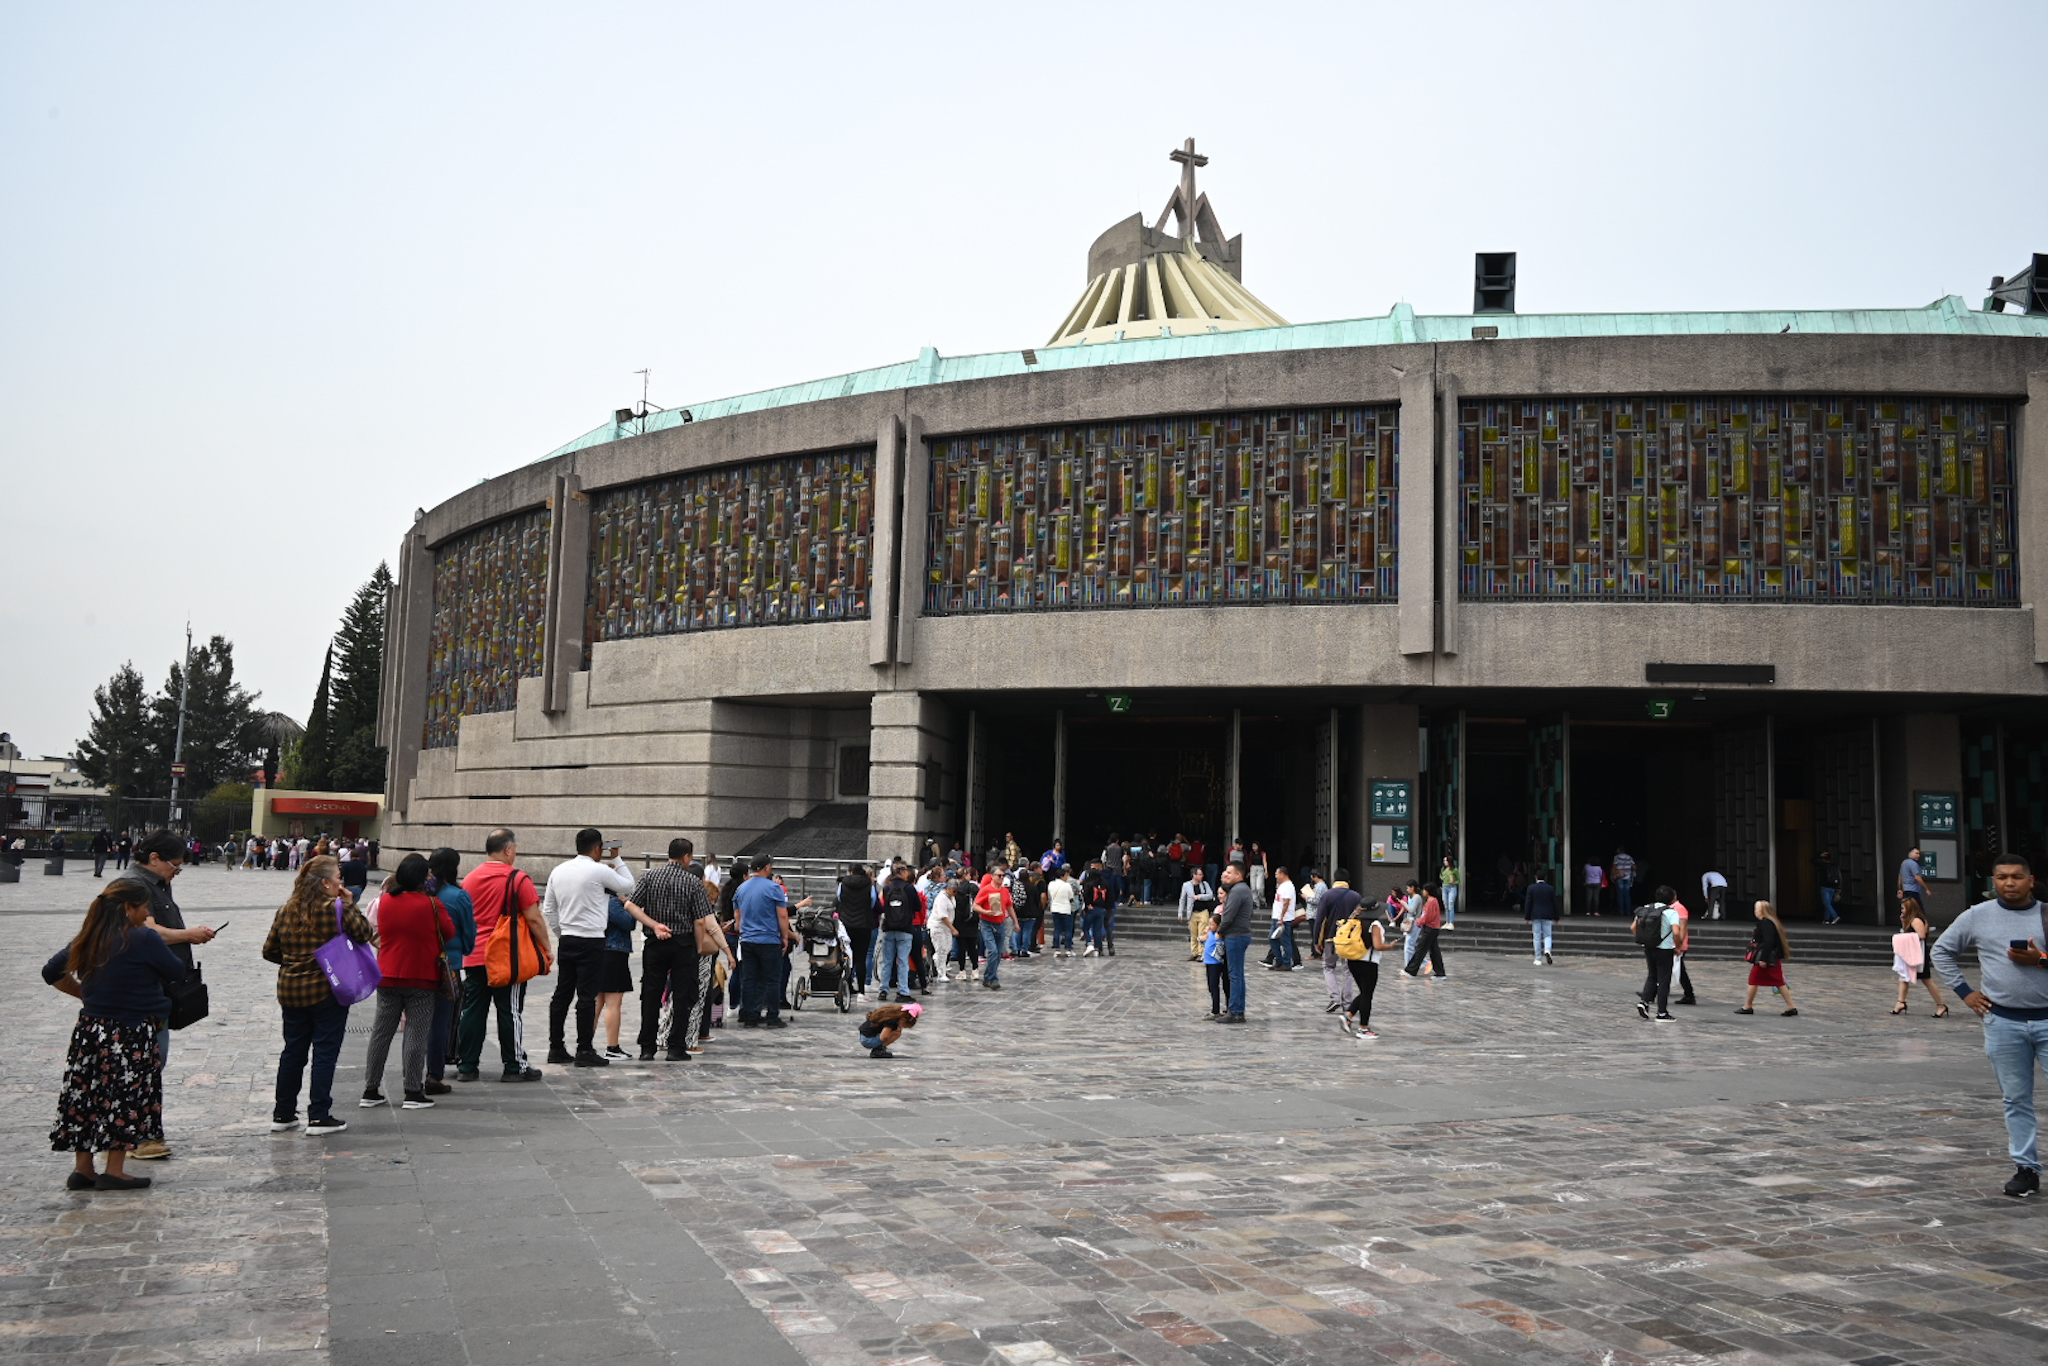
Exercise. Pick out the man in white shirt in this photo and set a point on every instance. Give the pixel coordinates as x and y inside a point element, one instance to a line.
<point>1714,892</point>
<point>1286,910</point>
<point>1061,903</point>
<point>577,908</point>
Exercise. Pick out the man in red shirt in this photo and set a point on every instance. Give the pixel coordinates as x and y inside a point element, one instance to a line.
<point>495,883</point>
<point>992,906</point>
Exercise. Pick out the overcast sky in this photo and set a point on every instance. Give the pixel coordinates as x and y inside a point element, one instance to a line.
<point>273,276</point>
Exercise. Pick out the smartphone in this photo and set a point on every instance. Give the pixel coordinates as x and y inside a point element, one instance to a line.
<point>218,928</point>
<point>2019,943</point>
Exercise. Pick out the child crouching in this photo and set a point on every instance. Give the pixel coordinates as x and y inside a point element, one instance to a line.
<point>884,1026</point>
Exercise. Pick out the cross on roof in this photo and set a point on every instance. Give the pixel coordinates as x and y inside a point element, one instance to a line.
<point>1185,204</point>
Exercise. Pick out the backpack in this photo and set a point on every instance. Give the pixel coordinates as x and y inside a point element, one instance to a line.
<point>1351,942</point>
<point>899,906</point>
<point>1096,894</point>
<point>1648,926</point>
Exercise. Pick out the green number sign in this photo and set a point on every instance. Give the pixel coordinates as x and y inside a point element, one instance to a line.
<point>1660,708</point>
<point>1119,702</point>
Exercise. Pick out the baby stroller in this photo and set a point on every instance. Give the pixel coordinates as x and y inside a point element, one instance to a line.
<point>830,972</point>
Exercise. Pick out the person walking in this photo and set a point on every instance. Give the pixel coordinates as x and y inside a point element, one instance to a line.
<point>314,1022</point>
<point>413,930</point>
<point>1286,908</point>
<point>1539,908</point>
<point>901,906</point>
<point>159,856</point>
<point>765,939</point>
<point>444,884</point>
<point>1661,931</point>
<point>669,901</point>
<point>1359,941</point>
<point>859,909</point>
<point>1913,879</point>
<point>940,927</point>
<point>1829,876</point>
<point>497,887</point>
<point>1911,959</point>
<point>1234,928</point>
<point>1197,901</point>
<point>1094,910</point>
<point>2008,935</point>
<point>102,846</point>
<point>1333,907</point>
<point>122,848</point>
<point>577,908</point>
<point>1428,924</point>
<point>1447,878</point>
<point>1768,951</point>
<point>993,907</point>
<point>112,1098</point>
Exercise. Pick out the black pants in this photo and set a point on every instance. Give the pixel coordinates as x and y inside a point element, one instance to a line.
<point>1425,947</point>
<point>1658,983</point>
<point>99,865</point>
<point>1684,980</point>
<point>670,965</point>
<point>579,968</point>
<point>1219,983</point>
<point>1367,976</point>
<point>863,947</point>
<point>479,998</point>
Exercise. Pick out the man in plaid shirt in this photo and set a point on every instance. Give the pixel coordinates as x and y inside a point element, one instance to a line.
<point>1624,882</point>
<point>667,901</point>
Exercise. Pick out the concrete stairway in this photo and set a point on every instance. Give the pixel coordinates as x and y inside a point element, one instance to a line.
<point>1581,937</point>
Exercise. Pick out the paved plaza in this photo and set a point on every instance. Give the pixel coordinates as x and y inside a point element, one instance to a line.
<point>1077,1169</point>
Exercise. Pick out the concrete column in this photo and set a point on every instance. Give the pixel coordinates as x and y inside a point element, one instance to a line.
<point>1450,513</point>
<point>407,637</point>
<point>1417,552</point>
<point>1387,748</point>
<point>2032,513</point>
<point>1919,752</point>
<point>917,478</point>
<point>1059,775</point>
<point>907,731</point>
<point>882,566</point>
<point>568,590</point>
<point>1236,775</point>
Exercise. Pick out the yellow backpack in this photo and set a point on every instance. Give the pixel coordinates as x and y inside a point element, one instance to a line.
<point>1351,941</point>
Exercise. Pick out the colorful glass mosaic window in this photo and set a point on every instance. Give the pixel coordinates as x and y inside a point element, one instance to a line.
<point>1285,506</point>
<point>762,544</point>
<point>1756,499</point>
<point>490,599</point>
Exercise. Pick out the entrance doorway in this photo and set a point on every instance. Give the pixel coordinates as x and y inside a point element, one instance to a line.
<point>1647,787</point>
<point>1147,775</point>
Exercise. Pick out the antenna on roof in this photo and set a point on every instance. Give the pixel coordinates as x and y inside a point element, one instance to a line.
<point>623,416</point>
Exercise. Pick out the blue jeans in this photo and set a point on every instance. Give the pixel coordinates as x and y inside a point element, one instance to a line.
<point>1062,930</point>
<point>1451,905</point>
<point>1091,930</point>
<point>1624,897</point>
<point>1827,906</point>
<point>1539,934</point>
<point>760,982</point>
<point>993,939</point>
<point>1233,955</point>
<point>2016,1048</point>
<point>1286,952</point>
<point>1027,935</point>
<point>1408,947</point>
<point>895,960</point>
<point>317,1029</point>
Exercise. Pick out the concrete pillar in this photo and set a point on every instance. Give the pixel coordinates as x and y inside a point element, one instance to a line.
<point>2032,514</point>
<point>408,634</point>
<point>1059,775</point>
<point>1450,513</point>
<point>568,590</point>
<point>883,555</point>
<point>1417,553</point>
<point>1236,767</point>
<point>1919,752</point>
<point>1387,747</point>
<point>917,478</point>
<point>908,733</point>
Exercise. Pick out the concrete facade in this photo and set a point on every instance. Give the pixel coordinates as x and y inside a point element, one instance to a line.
<point>727,732</point>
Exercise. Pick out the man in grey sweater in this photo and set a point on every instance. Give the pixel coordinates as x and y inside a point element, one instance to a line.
<point>2008,935</point>
<point>1240,905</point>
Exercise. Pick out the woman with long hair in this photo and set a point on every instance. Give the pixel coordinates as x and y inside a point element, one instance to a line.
<point>1767,955</point>
<point>113,1095</point>
<point>1921,970</point>
<point>314,1022</point>
<point>413,930</point>
<point>444,884</point>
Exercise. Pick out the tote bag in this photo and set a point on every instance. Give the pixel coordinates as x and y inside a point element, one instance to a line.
<point>351,968</point>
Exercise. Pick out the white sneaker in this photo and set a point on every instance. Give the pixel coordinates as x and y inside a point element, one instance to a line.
<point>1537,961</point>
<point>1088,952</point>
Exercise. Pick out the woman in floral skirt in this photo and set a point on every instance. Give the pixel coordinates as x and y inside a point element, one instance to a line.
<point>113,1096</point>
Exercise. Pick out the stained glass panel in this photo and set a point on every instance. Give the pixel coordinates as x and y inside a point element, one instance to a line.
<point>762,544</point>
<point>490,599</point>
<point>1749,499</point>
<point>1295,506</point>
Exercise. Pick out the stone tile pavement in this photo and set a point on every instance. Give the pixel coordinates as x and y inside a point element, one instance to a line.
<point>1077,1169</point>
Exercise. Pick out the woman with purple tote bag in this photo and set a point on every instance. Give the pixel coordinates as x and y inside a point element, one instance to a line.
<point>326,961</point>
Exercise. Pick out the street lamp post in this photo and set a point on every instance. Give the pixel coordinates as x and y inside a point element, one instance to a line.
<point>178,745</point>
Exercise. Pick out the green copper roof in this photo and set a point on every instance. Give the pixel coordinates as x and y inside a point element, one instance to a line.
<point>1949,316</point>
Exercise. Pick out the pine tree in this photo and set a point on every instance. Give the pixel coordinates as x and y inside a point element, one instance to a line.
<point>221,736</point>
<point>356,761</point>
<point>113,752</point>
<point>312,767</point>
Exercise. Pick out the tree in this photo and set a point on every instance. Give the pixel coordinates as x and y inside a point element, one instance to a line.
<point>113,751</point>
<point>312,760</point>
<point>222,741</point>
<point>356,762</point>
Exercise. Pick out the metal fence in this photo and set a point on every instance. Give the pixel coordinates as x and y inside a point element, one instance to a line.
<point>804,877</point>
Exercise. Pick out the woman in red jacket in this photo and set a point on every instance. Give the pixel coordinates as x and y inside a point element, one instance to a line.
<point>412,931</point>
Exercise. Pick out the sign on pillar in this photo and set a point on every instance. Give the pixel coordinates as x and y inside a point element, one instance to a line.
<point>1391,821</point>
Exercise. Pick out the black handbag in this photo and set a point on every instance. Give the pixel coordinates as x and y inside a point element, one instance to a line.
<point>188,999</point>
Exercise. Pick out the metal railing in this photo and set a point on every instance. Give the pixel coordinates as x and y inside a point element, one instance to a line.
<point>815,877</point>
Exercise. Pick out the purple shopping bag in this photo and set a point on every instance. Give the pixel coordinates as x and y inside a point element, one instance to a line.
<point>351,968</point>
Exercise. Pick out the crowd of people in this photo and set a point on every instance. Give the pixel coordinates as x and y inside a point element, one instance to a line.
<point>453,950</point>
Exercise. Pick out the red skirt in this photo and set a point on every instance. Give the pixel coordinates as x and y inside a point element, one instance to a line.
<point>1767,975</point>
